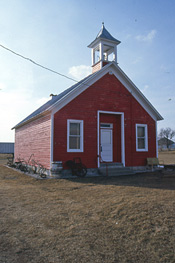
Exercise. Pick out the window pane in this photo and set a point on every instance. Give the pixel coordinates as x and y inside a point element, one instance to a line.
<point>141,131</point>
<point>74,142</point>
<point>74,128</point>
<point>141,143</point>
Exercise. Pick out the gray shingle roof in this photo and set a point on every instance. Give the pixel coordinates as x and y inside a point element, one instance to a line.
<point>51,102</point>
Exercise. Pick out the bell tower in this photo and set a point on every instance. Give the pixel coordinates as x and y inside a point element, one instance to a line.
<point>104,49</point>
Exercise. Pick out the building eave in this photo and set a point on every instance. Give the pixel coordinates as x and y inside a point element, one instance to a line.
<point>42,114</point>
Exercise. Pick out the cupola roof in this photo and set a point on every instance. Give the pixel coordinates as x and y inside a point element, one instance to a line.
<point>104,34</point>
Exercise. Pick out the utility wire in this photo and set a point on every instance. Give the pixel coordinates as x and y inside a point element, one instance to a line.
<point>37,64</point>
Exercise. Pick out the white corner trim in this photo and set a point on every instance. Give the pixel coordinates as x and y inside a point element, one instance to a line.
<point>122,135</point>
<point>51,139</point>
<point>156,140</point>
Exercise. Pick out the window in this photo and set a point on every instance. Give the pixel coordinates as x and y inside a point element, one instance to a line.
<point>141,137</point>
<point>74,136</point>
<point>106,125</point>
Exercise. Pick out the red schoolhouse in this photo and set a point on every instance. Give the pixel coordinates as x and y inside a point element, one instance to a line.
<point>102,118</point>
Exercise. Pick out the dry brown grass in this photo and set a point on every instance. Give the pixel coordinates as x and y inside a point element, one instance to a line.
<point>4,157</point>
<point>115,219</point>
<point>167,157</point>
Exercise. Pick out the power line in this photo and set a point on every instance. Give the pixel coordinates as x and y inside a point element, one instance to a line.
<point>37,64</point>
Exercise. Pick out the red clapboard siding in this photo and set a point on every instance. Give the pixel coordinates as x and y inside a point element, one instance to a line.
<point>107,94</point>
<point>34,138</point>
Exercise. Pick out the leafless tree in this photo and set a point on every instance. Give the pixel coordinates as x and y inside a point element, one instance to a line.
<point>167,134</point>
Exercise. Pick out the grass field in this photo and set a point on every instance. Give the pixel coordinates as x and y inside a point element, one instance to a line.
<point>114,219</point>
<point>167,157</point>
<point>4,158</point>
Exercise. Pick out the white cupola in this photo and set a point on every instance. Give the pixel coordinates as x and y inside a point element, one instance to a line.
<point>104,49</point>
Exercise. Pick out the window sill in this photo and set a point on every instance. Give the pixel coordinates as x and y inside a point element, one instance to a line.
<point>74,151</point>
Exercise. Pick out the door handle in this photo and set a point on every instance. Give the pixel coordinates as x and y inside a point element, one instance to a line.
<point>101,148</point>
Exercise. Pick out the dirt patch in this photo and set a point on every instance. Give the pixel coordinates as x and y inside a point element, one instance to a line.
<point>115,219</point>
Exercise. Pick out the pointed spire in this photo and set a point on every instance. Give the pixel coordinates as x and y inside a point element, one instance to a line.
<point>106,35</point>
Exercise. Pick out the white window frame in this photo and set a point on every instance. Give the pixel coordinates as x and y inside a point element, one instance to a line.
<point>146,138</point>
<point>81,135</point>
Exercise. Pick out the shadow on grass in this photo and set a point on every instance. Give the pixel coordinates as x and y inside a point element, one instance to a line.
<point>154,180</point>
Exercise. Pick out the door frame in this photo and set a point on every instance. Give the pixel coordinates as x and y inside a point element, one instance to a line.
<point>122,135</point>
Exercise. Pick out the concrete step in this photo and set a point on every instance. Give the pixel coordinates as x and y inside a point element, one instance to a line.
<point>115,171</point>
<point>111,164</point>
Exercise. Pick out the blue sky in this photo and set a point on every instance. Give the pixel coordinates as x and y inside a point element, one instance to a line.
<point>55,34</point>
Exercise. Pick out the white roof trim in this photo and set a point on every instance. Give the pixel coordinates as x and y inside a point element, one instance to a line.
<point>137,94</point>
<point>122,77</point>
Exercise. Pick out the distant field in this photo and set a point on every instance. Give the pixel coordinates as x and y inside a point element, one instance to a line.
<point>168,157</point>
<point>3,158</point>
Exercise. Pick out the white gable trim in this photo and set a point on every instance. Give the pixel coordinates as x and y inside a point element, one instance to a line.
<point>77,91</point>
<point>137,94</point>
<point>111,68</point>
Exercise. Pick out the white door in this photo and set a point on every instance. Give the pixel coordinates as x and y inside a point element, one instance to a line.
<point>106,145</point>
